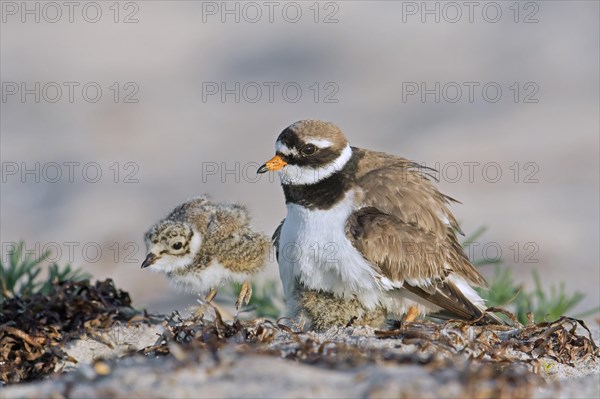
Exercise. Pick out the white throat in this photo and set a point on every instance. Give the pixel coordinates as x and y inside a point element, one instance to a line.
<point>298,175</point>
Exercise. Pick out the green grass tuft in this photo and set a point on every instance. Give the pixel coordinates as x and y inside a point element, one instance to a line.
<point>543,305</point>
<point>20,275</point>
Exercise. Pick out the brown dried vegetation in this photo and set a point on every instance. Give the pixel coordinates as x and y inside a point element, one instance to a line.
<point>487,361</point>
<point>33,330</point>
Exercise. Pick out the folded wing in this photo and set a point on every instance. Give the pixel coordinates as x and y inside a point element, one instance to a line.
<point>418,261</point>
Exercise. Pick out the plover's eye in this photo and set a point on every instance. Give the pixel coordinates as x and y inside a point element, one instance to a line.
<point>177,246</point>
<point>309,149</point>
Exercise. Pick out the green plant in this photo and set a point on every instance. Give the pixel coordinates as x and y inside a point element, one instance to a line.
<point>502,289</point>
<point>556,303</point>
<point>20,275</point>
<point>504,292</point>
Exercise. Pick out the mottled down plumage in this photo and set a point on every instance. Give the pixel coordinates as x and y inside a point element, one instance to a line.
<point>201,245</point>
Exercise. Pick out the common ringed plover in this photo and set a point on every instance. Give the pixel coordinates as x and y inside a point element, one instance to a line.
<point>368,226</point>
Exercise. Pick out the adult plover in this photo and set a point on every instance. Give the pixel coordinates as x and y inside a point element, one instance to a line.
<point>368,226</point>
<point>201,245</point>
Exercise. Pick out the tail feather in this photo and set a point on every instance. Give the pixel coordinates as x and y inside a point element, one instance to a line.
<point>457,299</point>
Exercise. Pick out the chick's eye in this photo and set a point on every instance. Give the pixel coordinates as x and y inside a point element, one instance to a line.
<point>309,149</point>
<point>177,245</point>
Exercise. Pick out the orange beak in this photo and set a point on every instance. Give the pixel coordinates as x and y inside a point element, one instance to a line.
<point>273,164</point>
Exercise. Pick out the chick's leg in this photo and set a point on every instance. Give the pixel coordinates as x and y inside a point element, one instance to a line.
<point>244,296</point>
<point>208,299</point>
<point>211,295</point>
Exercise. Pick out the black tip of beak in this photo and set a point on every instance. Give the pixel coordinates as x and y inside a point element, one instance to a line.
<point>149,260</point>
<point>262,169</point>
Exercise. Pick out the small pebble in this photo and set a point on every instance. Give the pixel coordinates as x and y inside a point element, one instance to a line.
<point>102,368</point>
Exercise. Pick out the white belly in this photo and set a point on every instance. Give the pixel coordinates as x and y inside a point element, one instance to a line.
<point>314,250</point>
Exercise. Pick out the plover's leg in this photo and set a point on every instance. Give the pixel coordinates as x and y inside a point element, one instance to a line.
<point>412,314</point>
<point>245,295</point>
<point>208,299</point>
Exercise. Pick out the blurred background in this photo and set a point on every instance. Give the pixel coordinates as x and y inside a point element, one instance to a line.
<point>114,112</point>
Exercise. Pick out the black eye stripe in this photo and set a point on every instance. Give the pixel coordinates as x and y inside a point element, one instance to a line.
<point>323,157</point>
<point>320,157</point>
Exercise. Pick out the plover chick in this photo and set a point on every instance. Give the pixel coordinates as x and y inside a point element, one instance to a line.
<point>202,245</point>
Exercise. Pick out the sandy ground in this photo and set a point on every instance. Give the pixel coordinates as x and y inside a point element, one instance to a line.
<point>239,373</point>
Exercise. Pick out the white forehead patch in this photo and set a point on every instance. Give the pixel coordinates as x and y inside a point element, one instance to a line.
<point>321,143</point>
<point>284,149</point>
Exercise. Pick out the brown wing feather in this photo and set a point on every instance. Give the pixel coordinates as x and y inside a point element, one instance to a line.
<point>403,251</point>
<point>403,188</point>
<point>456,305</point>
<point>448,297</point>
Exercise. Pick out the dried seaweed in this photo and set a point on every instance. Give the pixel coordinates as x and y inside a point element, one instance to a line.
<point>488,361</point>
<point>33,330</point>
<point>503,343</point>
<point>556,340</point>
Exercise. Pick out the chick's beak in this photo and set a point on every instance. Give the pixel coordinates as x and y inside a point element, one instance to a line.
<point>150,259</point>
<point>273,164</point>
